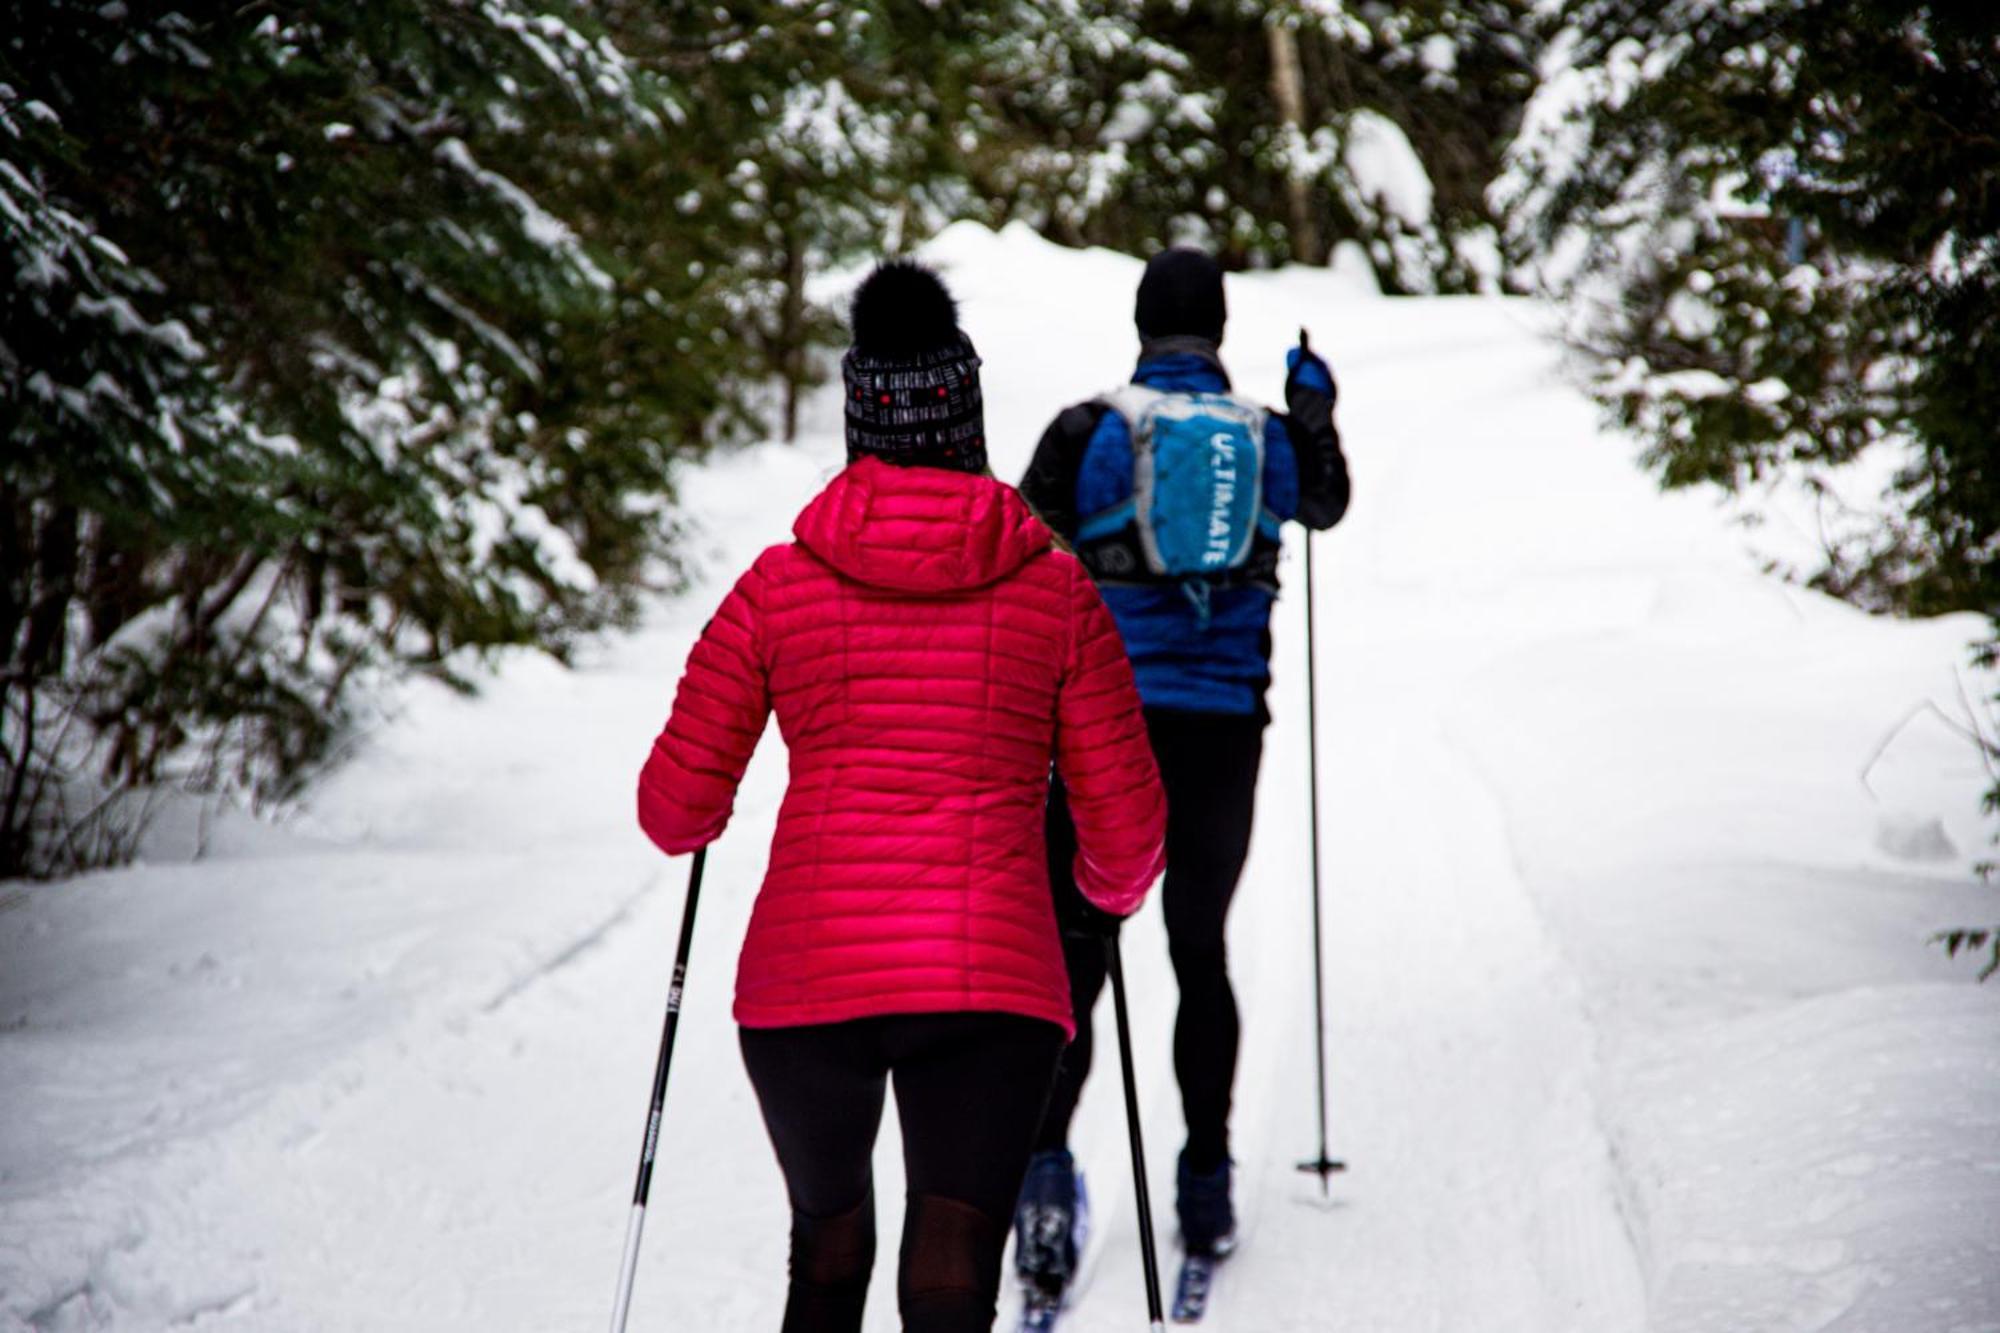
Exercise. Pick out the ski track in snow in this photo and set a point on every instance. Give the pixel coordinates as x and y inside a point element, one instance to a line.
<point>1617,1042</point>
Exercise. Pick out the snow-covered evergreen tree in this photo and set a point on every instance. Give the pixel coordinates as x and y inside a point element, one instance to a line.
<point>819,156</point>
<point>1778,227</point>
<point>1787,220</point>
<point>1133,124</point>
<point>306,372</point>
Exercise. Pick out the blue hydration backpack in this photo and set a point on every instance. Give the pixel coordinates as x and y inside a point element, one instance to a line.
<point>1197,489</point>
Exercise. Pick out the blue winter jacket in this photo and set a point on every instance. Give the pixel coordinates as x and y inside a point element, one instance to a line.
<point>1217,662</point>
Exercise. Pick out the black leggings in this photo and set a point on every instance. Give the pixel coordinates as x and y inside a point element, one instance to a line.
<point>970,1089</point>
<point>1208,765</point>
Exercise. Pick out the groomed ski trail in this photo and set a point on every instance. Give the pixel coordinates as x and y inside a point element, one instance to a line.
<point>388,1070</point>
<point>1480,1195</point>
<point>461,1158</point>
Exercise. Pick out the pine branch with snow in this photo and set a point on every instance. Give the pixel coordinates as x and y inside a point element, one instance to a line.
<point>1777,228</point>
<point>300,352</point>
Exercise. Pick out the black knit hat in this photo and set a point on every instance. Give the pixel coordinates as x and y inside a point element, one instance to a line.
<point>1181,295</point>
<point>912,377</point>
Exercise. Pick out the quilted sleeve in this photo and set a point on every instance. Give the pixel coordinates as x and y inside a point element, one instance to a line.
<point>1106,761</point>
<point>688,786</point>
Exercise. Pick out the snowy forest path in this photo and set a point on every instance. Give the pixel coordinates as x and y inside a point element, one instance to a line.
<point>453,1143</point>
<point>435,1001</point>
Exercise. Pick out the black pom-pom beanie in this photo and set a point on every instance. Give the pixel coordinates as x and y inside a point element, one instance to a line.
<point>912,377</point>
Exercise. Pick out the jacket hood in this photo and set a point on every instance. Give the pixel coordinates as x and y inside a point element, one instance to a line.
<point>920,529</point>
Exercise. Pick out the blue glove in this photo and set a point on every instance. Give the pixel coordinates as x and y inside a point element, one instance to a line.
<point>1304,368</point>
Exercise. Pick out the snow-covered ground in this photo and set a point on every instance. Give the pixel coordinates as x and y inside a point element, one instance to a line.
<point>1632,1019</point>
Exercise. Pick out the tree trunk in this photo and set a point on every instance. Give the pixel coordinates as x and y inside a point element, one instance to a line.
<point>16,583</point>
<point>56,562</point>
<point>792,329</point>
<point>1289,93</point>
<point>16,840</point>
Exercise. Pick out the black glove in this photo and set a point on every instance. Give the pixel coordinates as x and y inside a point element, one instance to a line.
<point>1080,918</point>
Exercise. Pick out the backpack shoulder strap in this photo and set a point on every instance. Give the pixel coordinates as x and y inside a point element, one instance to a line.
<point>1132,401</point>
<point>1106,541</point>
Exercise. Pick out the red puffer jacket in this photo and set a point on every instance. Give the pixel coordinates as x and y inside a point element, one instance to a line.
<point>927,654</point>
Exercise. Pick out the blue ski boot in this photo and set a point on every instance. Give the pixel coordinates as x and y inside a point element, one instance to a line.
<point>1208,1232</point>
<point>1208,1221</point>
<point>1050,1225</point>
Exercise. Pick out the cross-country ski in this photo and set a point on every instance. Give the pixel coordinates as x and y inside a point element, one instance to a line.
<point>1192,1286</point>
<point>1040,1310</point>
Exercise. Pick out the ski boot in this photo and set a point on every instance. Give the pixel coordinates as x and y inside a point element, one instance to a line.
<point>1050,1225</point>
<point>1208,1221</point>
<point>1208,1232</point>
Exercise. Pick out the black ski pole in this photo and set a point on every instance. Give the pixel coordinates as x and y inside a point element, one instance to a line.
<point>1322,1165</point>
<point>1147,1253</point>
<point>628,1266</point>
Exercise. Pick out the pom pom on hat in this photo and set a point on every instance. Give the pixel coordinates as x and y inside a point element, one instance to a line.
<point>902,311</point>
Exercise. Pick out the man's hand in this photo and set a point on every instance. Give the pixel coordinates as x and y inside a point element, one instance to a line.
<point>1306,370</point>
<point>1309,395</point>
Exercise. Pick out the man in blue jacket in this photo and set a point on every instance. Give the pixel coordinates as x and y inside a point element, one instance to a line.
<point>1154,487</point>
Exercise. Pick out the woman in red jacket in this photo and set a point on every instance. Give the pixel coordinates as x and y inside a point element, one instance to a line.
<point>928,653</point>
